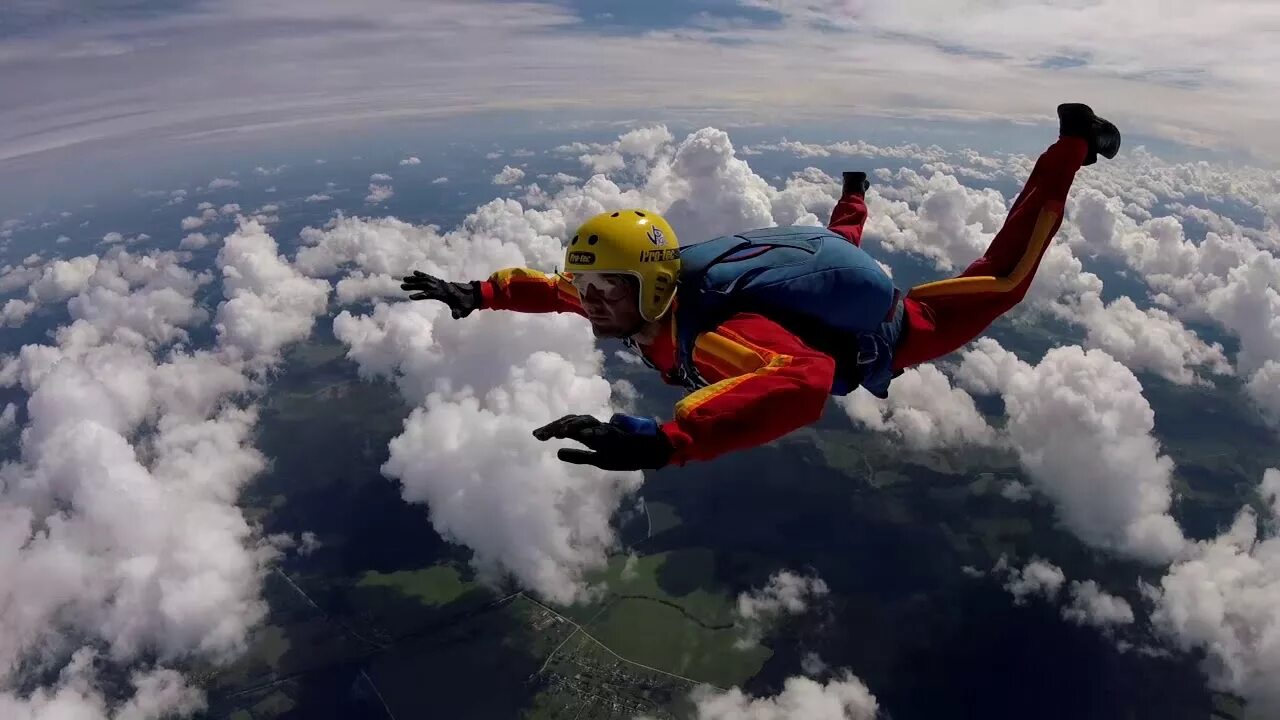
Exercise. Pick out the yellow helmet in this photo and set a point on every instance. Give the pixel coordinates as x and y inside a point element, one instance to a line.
<point>632,241</point>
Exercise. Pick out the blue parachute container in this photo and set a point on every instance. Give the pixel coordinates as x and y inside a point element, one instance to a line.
<point>817,284</point>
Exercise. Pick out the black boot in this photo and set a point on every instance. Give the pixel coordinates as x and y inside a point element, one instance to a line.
<point>1078,120</point>
<point>855,183</point>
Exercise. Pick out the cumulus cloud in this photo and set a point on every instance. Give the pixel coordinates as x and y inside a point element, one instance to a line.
<point>924,411</point>
<point>411,160</point>
<point>1015,491</point>
<point>380,177</point>
<point>935,217</point>
<point>508,176</point>
<point>378,193</point>
<point>8,418</point>
<point>1090,605</point>
<point>15,312</point>
<point>269,303</point>
<point>122,424</point>
<point>479,387</point>
<point>786,593</point>
<point>1264,391</point>
<point>318,197</point>
<point>78,695</point>
<point>1150,339</point>
<point>1082,430</point>
<point>192,222</point>
<point>440,181</point>
<point>842,698</point>
<point>1231,278</point>
<point>194,241</point>
<point>223,183</point>
<point>1224,599</point>
<point>1037,578</point>
<point>62,279</point>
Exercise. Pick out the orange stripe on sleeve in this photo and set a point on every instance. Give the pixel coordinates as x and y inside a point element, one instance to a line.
<point>765,383</point>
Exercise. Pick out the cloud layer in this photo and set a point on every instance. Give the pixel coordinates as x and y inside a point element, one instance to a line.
<point>124,424</point>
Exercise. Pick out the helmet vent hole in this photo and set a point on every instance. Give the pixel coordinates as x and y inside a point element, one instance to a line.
<point>638,213</point>
<point>574,241</point>
<point>593,239</point>
<point>614,215</point>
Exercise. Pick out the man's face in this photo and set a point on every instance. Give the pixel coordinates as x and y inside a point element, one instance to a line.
<point>611,302</point>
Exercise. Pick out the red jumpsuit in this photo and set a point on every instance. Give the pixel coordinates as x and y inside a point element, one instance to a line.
<point>766,382</point>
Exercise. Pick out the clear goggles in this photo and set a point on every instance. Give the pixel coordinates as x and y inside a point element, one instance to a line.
<point>609,286</point>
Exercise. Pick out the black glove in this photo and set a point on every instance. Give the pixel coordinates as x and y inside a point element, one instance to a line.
<point>462,298</point>
<point>623,443</point>
<point>855,183</point>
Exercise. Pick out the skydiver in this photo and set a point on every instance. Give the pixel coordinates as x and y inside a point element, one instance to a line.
<point>752,376</point>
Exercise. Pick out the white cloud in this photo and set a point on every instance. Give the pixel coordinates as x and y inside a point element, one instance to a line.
<point>8,418</point>
<point>411,160</point>
<point>1224,599</point>
<point>935,217</point>
<point>604,163</point>
<point>194,241</point>
<point>191,222</point>
<point>380,177</point>
<point>1230,278</point>
<point>923,410</point>
<point>1264,391</point>
<point>440,181</point>
<point>1015,491</point>
<point>480,386</point>
<point>786,593</point>
<point>114,434</point>
<point>813,665</point>
<point>1038,577</point>
<point>1090,605</point>
<point>1082,431</point>
<point>508,176</point>
<point>63,279</point>
<point>1150,339</point>
<point>15,312</point>
<point>269,303</point>
<point>13,277</point>
<point>842,698</point>
<point>318,197</point>
<point>78,695</point>
<point>379,193</point>
<point>110,238</point>
<point>223,183</point>
<point>229,209</point>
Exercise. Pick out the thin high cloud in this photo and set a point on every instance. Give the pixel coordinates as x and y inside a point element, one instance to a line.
<point>1165,70</point>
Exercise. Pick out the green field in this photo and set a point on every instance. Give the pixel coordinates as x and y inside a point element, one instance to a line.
<point>667,613</point>
<point>661,636</point>
<point>433,586</point>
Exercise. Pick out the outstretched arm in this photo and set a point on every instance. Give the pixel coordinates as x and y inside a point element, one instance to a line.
<point>772,384</point>
<point>530,291</point>
<point>848,216</point>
